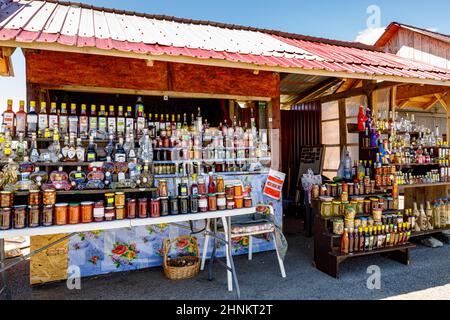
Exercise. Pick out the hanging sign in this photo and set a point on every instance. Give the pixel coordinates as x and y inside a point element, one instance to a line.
<point>274,184</point>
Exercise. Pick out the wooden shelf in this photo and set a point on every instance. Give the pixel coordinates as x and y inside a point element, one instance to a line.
<point>422,185</point>
<point>426,233</point>
<point>86,192</point>
<point>375,251</point>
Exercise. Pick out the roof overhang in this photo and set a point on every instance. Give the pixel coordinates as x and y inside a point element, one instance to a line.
<point>218,62</point>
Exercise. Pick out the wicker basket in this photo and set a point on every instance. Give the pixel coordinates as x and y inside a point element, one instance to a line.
<point>180,273</point>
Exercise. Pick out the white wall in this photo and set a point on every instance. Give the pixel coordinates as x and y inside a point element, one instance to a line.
<point>14,87</point>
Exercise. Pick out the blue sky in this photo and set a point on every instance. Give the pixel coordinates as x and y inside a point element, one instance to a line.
<point>341,20</point>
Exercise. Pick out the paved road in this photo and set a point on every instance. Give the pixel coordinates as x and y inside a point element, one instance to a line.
<point>260,279</point>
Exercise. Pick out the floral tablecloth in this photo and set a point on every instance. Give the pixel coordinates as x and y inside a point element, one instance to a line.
<point>102,252</point>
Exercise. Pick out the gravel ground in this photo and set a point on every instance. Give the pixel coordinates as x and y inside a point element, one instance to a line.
<point>427,277</point>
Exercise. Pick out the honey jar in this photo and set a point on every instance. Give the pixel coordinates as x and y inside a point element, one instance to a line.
<point>61,214</point>
<point>6,199</point>
<point>238,190</point>
<point>47,215</point>
<point>20,216</point>
<point>49,197</point>
<point>120,199</point>
<point>33,216</point>
<point>212,202</point>
<point>239,202</point>
<point>220,185</point>
<point>109,197</point>
<point>5,218</point>
<point>34,198</point>
<point>120,212</point>
<point>87,209</point>
<point>74,213</point>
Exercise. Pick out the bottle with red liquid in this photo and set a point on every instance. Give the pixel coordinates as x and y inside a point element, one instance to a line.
<point>9,117</point>
<point>211,184</point>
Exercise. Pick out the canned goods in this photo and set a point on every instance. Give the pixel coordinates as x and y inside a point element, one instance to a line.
<point>248,202</point>
<point>131,208</point>
<point>109,197</point>
<point>99,211</point>
<point>173,202</point>
<point>74,213</point>
<point>154,208</point>
<point>212,202</point>
<point>238,202</point>
<point>184,205</point>
<point>221,201</point>
<point>110,213</point>
<point>193,204</point>
<point>203,203</point>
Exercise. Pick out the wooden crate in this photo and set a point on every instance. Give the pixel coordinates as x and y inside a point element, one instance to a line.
<point>51,264</point>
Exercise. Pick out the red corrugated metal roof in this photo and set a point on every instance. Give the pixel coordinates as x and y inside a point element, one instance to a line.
<point>79,25</point>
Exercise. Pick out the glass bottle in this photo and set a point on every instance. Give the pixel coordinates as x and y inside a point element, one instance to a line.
<point>129,121</point>
<point>63,120</point>
<point>156,129</point>
<point>65,148</point>
<point>91,153</point>
<point>71,152</point>
<point>109,149</point>
<point>84,122</point>
<point>120,155</point>
<point>211,184</point>
<point>140,122</point>
<point>32,120</point>
<point>120,122</point>
<point>112,124</point>
<point>93,122</point>
<point>168,126</point>
<point>53,122</point>
<point>81,155</point>
<point>21,119</point>
<point>102,119</point>
<point>73,120</point>
<point>55,148</point>
<point>131,152</point>
<point>9,117</point>
<point>345,242</point>
<point>34,151</point>
<point>42,119</point>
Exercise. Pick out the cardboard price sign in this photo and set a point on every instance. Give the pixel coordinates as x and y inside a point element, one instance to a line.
<point>274,184</point>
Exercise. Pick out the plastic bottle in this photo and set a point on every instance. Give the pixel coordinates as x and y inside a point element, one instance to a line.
<point>347,166</point>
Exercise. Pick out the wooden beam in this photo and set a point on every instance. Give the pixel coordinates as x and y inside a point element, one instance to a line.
<point>411,91</point>
<point>447,102</point>
<point>393,101</point>
<point>312,93</point>
<point>430,104</point>
<point>442,101</point>
<point>342,123</point>
<point>357,92</point>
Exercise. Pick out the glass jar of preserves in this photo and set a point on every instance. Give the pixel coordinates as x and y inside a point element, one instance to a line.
<point>212,202</point>
<point>109,197</point>
<point>230,202</point>
<point>6,199</point>
<point>315,191</point>
<point>119,199</point>
<point>131,208</point>
<point>325,209</point>
<point>238,202</point>
<point>203,203</point>
<point>220,184</point>
<point>120,212</point>
<point>34,198</point>
<point>110,212</point>
<point>154,208</point>
<point>47,215</point>
<point>99,211</point>
<point>163,190</point>
<point>174,205</point>
<point>49,197</point>
<point>33,216</point>
<point>164,206</point>
<point>338,226</point>
<point>184,205</point>
<point>221,201</point>
<point>87,209</point>
<point>201,187</point>
<point>5,218</point>
<point>193,204</point>
<point>229,191</point>
<point>20,216</point>
<point>238,190</point>
<point>74,213</point>
<point>143,208</point>
<point>248,202</point>
<point>61,214</point>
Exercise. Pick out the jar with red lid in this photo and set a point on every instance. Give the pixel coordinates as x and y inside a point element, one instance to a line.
<point>47,215</point>
<point>221,201</point>
<point>99,211</point>
<point>33,216</point>
<point>120,212</point>
<point>20,216</point>
<point>155,208</point>
<point>110,212</point>
<point>87,209</point>
<point>143,208</point>
<point>131,208</point>
<point>212,202</point>
<point>203,203</point>
<point>5,218</point>
<point>61,214</point>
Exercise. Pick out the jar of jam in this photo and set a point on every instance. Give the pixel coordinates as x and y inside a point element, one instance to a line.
<point>239,202</point>
<point>193,204</point>
<point>5,218</point>
<point>220,185</point>
<point>87,209</point>
<point>6,199</point>
<point>248,202</point>
<point>47,215</point>
<point>212,202</point>
<point>221,201</point>
<point>164,206</point>
<point>110,212</point>
<point>34,198</point>
<point>203,203</point>
<point>229,191</point>
<point>184,205</point>
<point>131,208</point>
<point>230,202</point>
<point>174,205</point>
<point>201,187</point>
<point>120,212</point>
<point>163,190</point>
<point>109,197</point>
<point>61,214</point>
<point>20,216</point>
<point>99,211</point>
<point>155,208</point>
<point>143,208</point>
<point>74,213</point>
<point>33,216</point>
<point>238,190</point>
<point>49,197</point>
<point>119,199</point>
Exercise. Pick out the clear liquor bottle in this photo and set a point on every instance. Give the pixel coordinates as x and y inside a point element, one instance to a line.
<point>81,152</point>
<point>73,120</point>
<point>84,122</point>
<point>42,119</point>
<point>9,117</point>
<point>32,120</point>
<point>21,119</point>
<point>63,120</point>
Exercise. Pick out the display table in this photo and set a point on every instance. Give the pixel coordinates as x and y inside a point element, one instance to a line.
<point>225,217</point>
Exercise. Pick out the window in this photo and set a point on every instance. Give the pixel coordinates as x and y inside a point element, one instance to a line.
<point>331,138</point>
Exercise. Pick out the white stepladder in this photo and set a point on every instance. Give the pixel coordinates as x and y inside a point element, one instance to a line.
<point>229,236</point>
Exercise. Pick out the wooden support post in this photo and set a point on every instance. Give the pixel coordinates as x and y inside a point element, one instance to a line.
<point>342,123</point>
<point>393,102</point>
<point>275,132</point>
<point>447,101</point>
